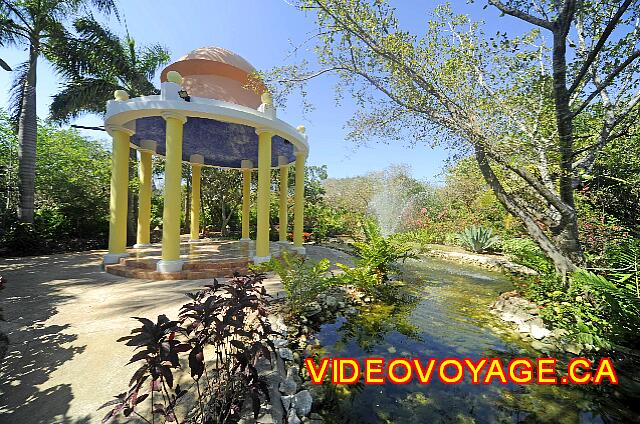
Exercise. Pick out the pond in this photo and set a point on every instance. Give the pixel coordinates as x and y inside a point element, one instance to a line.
<point>445,314</point>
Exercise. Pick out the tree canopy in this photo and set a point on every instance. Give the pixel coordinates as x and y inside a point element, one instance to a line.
<point>520,104</point>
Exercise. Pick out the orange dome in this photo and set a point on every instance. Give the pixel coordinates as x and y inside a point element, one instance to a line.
<point>216,73</point>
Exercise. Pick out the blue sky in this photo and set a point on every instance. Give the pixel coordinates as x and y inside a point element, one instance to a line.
<point>263,31</point>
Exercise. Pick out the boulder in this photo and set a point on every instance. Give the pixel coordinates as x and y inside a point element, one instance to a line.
<point>288,386</point>
<point>292,418</point>
<point>292,374</point>
<point>280,343</point>
<point>286,401</point>
<point>516,316</point>
<point>537,328</point>
<point>302,402</point>
<point>312,309</point>
<point>285,353</point>
<point>331,302</point>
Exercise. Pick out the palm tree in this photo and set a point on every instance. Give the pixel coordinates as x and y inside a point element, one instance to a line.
<point>94,64</point>
<point>97,62</point>
<point>36,24</point>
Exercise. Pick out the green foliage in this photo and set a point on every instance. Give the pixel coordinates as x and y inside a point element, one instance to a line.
<point>624,259</point>
<point>72,192</point>
<point>72,184</point>
<point>379,254</point>
<point>477,239</point>
<point>303,279</point>
<point>613,186</point>
<point>377,261</point>
<point>526,252</point>
<point>594,310</point>
<point>22,239</point>
<point>362,277</point>
<point>600,232</point>
<point>323,221</point>
<point>620,305</point>
<point>97,62</point>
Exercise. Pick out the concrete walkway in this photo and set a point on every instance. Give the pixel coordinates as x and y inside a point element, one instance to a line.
<point>64,316</point>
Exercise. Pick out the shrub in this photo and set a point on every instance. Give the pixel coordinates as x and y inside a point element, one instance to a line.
<point>303,280</point>
<point>377,260</point>
<point>593,309</point>
<point>477,239</point>
<point>624,261</point>
<point>526,252</point>
<point>618,307</point>
<point>22,239</point>
<point>230,318</point>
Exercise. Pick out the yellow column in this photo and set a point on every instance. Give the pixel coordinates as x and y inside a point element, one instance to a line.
<point>247,165</point>
<point>298,219</point>
<point>264,189</point>
<point>196,169</point>
<point>144,199</point>
<point>172,194</point>
<point>118,195</point>
<point>284,180</point>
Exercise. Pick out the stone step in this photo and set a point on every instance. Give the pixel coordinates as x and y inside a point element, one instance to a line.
<point>223,271</point>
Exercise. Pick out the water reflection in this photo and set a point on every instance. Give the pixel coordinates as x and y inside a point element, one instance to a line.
<point>443,314</point>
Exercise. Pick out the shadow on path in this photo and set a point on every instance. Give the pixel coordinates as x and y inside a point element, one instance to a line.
<point>36,348</point>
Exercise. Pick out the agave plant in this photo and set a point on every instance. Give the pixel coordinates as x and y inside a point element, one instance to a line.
<point>477,239</point>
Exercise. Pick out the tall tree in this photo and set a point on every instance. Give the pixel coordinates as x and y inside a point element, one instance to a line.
<point>94,63</point>
<point>34,23</point>
<point>221,195</point>
<point>513,102</point>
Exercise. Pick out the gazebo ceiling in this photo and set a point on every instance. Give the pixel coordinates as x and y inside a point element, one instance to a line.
<point>222,144</point>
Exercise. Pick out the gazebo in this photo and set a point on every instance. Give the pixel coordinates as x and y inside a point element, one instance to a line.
<point>204,116</point>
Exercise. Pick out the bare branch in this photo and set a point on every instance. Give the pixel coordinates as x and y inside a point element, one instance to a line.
<point>599,45</point>
<point>521,15</point>
<point>607,81</point>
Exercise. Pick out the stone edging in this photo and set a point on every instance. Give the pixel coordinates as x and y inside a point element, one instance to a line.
<point>523,314</point>
<point>485,261</point>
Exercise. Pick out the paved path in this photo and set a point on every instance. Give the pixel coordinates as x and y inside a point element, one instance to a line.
<point>64,316</point>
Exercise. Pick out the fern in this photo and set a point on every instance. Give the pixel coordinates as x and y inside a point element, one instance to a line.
<point>627,261</point>
<point>621,306</point>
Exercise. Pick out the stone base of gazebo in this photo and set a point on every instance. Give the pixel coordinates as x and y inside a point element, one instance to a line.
<point>207,259</point>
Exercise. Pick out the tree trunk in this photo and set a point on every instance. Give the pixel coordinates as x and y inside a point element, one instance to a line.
<point>561,257</point>
<point>566,236</point>
<point>27,137</point>
<point>225,218</point>
<point>187,204</point>
<point>132,201</point>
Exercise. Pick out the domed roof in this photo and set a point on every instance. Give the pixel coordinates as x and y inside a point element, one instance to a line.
<point>216,73</point>
<point>222,55</point>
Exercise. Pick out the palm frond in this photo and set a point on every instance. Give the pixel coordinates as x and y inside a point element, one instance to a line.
<point>106,7</point>
<point>151,58</point>
<point>102,48</point>
<point>16,92</point>
<point>82,95</point>
<point>4,65</point>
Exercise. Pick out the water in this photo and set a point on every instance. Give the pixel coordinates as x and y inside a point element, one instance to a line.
<point>449,317</point>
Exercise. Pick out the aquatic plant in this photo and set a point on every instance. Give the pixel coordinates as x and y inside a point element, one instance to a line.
<point>478,239</point>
